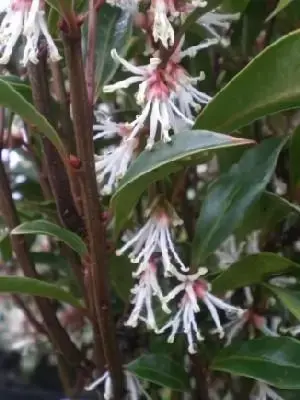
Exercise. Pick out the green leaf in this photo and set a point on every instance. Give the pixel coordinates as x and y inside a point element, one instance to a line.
<point>282,4</point>
<point>294,170</point>
<point>120,270</point>
<point>114,29</point>
<point>48,228</point>
<point>54,260</point>
<point>231,195</point>
<point>234,6</point>
<point>5,247</point>
<point>289,298</point>
<point>61,6</point>
<point>265,214</point>
<point>258,90</point>
<point>275,361</point>
<point>161,370</point>
<point>53,21</point>
<point>10,98</point>
<point>163,160</point>
<point>251,269</point>
<point>35,287</point>
<point>288,394</point>
<point>19,86</point>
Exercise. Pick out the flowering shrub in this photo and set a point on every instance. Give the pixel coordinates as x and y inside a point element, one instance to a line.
<point>149,190</point>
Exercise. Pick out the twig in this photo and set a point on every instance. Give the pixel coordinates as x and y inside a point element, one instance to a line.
<point>38,326</point>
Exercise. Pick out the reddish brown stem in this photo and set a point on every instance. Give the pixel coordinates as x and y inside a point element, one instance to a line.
<point>91,47</point>
<point>39,327</point>
<point>200,373</point>
<point>82,118</point>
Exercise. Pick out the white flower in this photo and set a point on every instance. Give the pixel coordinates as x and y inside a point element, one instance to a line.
<point>217,24</point>
<point>165,11</point>
<point>127,5</point>
<point>229,252</point>
<point>251,320</point>
<point>262,391</point>
<point>154,96</point>
<point>146,288</point>
<point>15,330</point>
<point>155,236</point>
<point>185,95</point>
<point>283,281</point>
<point>134,389</point>
<point>193,289</point>
<point>162,28</point>
<point>252,245</point>
<point>27,18</point>
<point>107,128</point>
<point>293,330</point>
<point>113,163</point>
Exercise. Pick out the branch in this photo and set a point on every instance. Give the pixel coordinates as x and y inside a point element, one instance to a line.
<point>66,127</point>
<point>57,175</point>
<point>58,335</point>
<point>200,374</point>
<point>91,47</point>
<point>82,118</point>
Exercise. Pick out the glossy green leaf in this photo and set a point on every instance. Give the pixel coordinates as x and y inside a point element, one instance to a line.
<point>258,90</point>
<point>234,6</point>
<point>114,29</point>
<point>120,271</point>
<point>265,214</point>
<point>289,298</point>
<point>251,269</point>
<point>5,247</point>
<point>19,86</point>
<point>248,27</point>
<point>160,369</point>
<point>48,228</point>
<point>163,160</point>
<point>56,261</point>
<point>35,287</point>
<point>282,4</point>
<point>273,360</point>
<point>294,170</point>
<point>230,196</point>
<point>53,21</point>
<point>288,394</point>
<point>10,98</point>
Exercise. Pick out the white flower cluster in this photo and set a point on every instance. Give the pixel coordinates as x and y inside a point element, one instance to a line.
<point>153,249</point>
<point>229,253</point>
<point>169,99</point>
<point>166,93</point>
<point>24,18</point>
<point>133,388</point>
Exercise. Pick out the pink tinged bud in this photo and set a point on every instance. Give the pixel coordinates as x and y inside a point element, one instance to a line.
<point>74,161</point>
<point>260,323</point>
